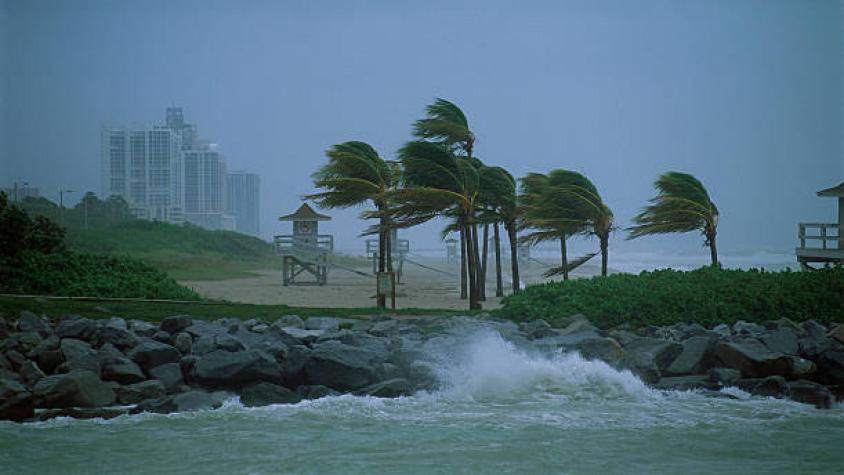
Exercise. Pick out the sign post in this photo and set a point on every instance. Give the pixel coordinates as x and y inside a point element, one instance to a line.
<point>386,286</point>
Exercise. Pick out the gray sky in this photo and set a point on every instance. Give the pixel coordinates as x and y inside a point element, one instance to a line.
<point>746,95</point>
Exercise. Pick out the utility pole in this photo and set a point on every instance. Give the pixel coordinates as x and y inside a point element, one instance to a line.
<point>61,204</point>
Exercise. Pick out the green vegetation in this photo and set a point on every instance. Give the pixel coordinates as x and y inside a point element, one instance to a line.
<point>708,296</point>
<point>10,307</point>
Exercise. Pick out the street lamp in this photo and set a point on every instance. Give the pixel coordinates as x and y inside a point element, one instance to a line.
<point>61,204</point>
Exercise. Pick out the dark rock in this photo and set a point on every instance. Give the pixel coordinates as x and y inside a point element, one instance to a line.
<point>175,323</point>
<point>117,333</point>
<point>49,360</point>
<point>143,329</point>
<point>812,348</point>
<point>5,363</point>
<point>744,328</point>
<point>537,329</point>
<point>121,370</point>
<point>781,340</point>
<point>422,375</point>
<point>814,329</point>
<point>204,344</point>
<point>686,383</point>
<point>78,328</point>
<point>322,323</point>
<point>340,366</point>
<point>315,391</point>
<point>390,388</point>
<point>264,394</point>
<point>293,364</point>
<point>183,342</point>
<point>752,358</point>
<point>809,392</point>
<point>161,336</point>
<point>135,393</point>
<point>190,401</point>
<point>603,349</point>
<point>4,328</point>
<point>260,328</point>
<point>16,401</point>
<point>78,355</point>
<point>663,351</point>
<point>275,348</point>
<point>29,340</point>
<point>801,368</point>
<point>385,328</point>
<point>151,353</point>
<point>226,369</point>
<point>15,358</point>
<point>695,358</point>
<point>30,373</point>
<point>28,321</point>
<point>107,350</point>
<point>723,330</point>
<point>228,342</point>
<point>724,376</point>
<point>83,413</point>
<point>170,374</point>
<point>296,336</point>
<point>772,386</point>
<point>623,337</point>
<point>642,365</point>
<point>78,388</point>
<point>831,367</point>
<point>837,333</point>
<point>290,321</point>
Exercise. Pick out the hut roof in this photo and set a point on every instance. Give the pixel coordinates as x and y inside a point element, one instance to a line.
<point>834,191</point>
<point>305,213</point>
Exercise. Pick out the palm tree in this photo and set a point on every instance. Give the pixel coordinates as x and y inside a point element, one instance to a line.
<point>546,221</point>
<point>354,175</point>
<point>497,198</point>
<point>682,204</point>
<point>437,182</point>
<point>574,198</point>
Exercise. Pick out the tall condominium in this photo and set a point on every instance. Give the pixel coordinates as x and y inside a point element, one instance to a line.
<point>205,187</point>
<point>242,190</point>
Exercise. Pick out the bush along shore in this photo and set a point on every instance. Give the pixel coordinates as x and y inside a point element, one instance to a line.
<point>80,367</point>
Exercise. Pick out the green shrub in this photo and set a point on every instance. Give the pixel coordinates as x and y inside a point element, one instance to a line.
<point>708,296</point>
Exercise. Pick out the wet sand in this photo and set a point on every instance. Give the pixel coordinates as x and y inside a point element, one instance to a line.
<point>420,287</point>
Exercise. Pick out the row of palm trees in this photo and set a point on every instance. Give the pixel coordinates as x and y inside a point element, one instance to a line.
<point>436,175</point>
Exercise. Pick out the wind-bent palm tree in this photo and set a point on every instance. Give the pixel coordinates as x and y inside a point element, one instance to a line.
<point>681,205</point>
<point>355,174</point>
<point>573,199</point>
<point>497,198</point>
<point>437,182</point>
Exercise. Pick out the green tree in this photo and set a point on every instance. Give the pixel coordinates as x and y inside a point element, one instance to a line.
<point>681,205</point>
<point>355,174</point>
<point>497,199</point>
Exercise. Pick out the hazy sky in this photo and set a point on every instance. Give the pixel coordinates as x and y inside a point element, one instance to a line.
<point>746,95</point>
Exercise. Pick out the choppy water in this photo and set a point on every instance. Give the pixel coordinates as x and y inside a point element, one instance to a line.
<point>501,411</point>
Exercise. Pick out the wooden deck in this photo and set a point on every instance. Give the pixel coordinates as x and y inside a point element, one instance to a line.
<point>820,243</point>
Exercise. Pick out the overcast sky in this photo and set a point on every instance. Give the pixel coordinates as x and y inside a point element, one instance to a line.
<point>746,95</point>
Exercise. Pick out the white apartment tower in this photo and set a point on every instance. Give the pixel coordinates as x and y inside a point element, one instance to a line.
<point>242,198</point>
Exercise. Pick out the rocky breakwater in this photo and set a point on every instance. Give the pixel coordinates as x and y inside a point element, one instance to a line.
<point>82,368</point>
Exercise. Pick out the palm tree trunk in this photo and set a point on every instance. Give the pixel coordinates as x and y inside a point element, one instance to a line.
<point>514,255</point>
<point>499,286</point>
<point>463,295</point>
<point>605,254</point>
<point>388,250</point>
<point>476,250</point>
<point>471,257</point>
<point>381,299</point>
<point>564,258</point>
<point>713,251</point>
<point>484,260</point>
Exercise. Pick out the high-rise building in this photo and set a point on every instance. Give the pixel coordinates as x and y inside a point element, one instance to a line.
<point>242,198</point>
<point>205,187</point>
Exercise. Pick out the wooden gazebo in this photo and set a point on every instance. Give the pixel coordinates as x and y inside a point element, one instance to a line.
<point>822,243</point>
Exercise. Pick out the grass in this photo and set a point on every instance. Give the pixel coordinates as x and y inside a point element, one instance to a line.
<point>707,296</point>
<point>11,306</point>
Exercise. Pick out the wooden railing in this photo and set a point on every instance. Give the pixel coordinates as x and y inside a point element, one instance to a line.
<point>829,235</point>
<point>287,244</point>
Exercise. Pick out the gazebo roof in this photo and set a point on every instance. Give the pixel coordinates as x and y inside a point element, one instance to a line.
<point>834,191</point>
<point>305,213</point>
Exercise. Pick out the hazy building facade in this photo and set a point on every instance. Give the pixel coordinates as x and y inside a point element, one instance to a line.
<point>21,191</point>
<point>242,201</point>
<point>205,187</point>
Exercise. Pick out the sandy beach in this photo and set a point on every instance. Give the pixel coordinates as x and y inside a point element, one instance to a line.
<point>420,287</point>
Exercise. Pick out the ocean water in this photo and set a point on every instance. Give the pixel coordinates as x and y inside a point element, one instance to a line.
<point>501,409</point>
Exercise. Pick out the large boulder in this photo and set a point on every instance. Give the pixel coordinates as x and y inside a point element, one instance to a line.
<point>264,394</point>
<point>135,393</point>
<point>837,333</point>
<point>185,402</point>
<point>175,323</point>
<point>225,369</point>
<point>782,340</point>
<point>663,351</point>
<point>752,358</point>
<point>16,401</point>
<point>340,366</point>
<point>290,321</point>
<point>116,332</point>
<point>390,388</point>
<point>30,373</point>
<point>78,355</point>
<point>686,383</point>
<point>642,365</point>
<point>122,370</point>
<point>695,357</point>
<point>150,353</point>
<point>831,367</point>
<point>183,342</point>
<point>77,327</point>
<point>810,393</point>
<point>322,323</point>
<point>170,375</point>
<point>28,321</point>
<point>79,388</point>
<point>228,342</point>
<point>537,329</point>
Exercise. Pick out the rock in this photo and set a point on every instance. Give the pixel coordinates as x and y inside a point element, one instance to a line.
<point>642,365</point>
<point>809,392</point>
<point>16,401</point>
<point>293,365</point>
<point>814,329</point>
<point>801,368</point>
<point>695,358</point>
<point>663,351</point>
<point>322,323</point>
<point>143,329</point>
<point>122,370</point>
<point>83,413</point>
<point>384,328</point>
<point>724,376</point>
<point>30,373</point>
<point>722,329</point>
<point>183,342</point>
<point>135,393</point>
<point>5,363</point>
<point>78,355</point>
<point>790,325</point>
<point>296,336</point>
<point>837,333</point>
<point>564,342</point>
<point>315,391</point>
<point>28,340</point>
<point>224,369</point>
<point>537,329</point>
<point>79,388</point>
<point>4,328</point>
<point>72,348</point>
<point>744,328</point>
<point>686,383</point>
<point>752,358</point>
<point>228,342</point>
<point>170,374</point>
<point>390,388</point>
<point>29,322</point>
<point>78,328</point>
<point>264,394</point>
<point>772,386</point>
<point>204,344</point>
<point>422,375</point>
<point>175,323</point>
<point>340,366</point>
<point>781,340</point>
<point>151,353</point>
<point>602,348</point>
<point>190,401</point>
<point>161,336</point>
<point>623,337</point>
<point>107,350</point>
<point>290,321</point>
<point>116,332</point>
<point>812,348</point>
<point>260,328</point>
<point>831,367</point>
<point>15,358</point>
<point>47,355</point>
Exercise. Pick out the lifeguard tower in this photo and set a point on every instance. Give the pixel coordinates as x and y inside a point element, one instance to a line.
<point>399,247</point>
<point>305,250</point>
<point>830,249</point>
<point>451,251</point>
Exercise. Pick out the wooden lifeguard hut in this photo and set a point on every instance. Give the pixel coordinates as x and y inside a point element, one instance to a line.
<point>305,250</point>
<point>830,249</point>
